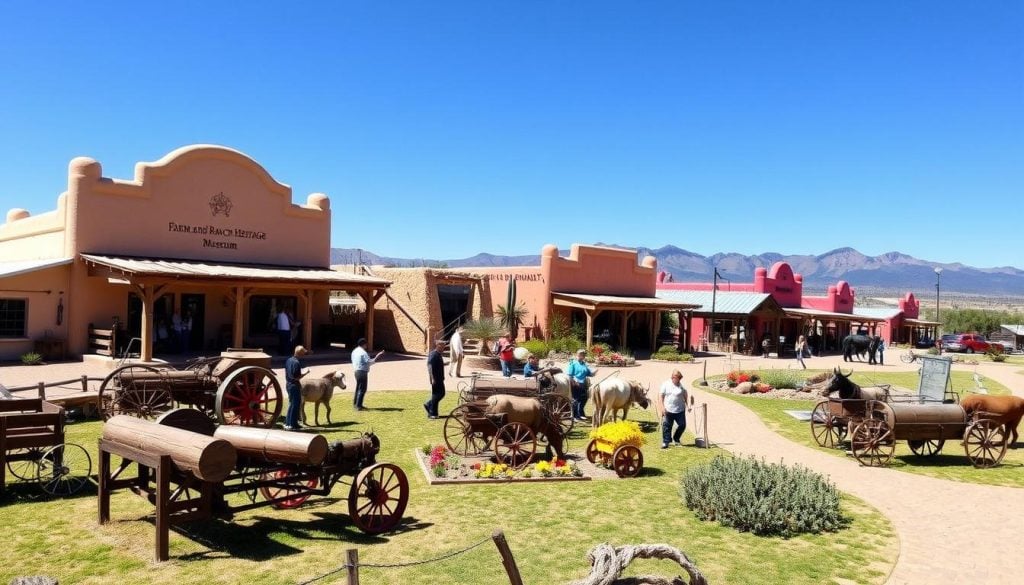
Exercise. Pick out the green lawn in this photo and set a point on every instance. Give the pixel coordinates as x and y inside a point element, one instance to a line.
<point>951,463</point>
<point>550,526</point>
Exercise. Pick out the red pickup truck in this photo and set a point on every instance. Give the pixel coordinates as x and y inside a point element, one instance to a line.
<point>968,342</point>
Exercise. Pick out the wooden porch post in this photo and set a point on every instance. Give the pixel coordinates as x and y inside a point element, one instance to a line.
<point>149,293</point>
<point>371,300</point>
<point>626,314</point>
<point>238,331</point>
<point>591,315</point>
<point>307,317</point>
<point>655,329</point>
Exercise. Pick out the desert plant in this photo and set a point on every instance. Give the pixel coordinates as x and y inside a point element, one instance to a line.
<point>762,498</point>
<point>567,345</point>
<point>31,359</point>
<point>537,347</point>
<point>781,378</point>
<point>512,319</point>
<point>485,330</point>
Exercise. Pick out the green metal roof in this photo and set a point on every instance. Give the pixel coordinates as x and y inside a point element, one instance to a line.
<point>726,303</point>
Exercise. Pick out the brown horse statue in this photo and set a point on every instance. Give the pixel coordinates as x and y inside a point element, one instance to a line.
<point>1005,410</point>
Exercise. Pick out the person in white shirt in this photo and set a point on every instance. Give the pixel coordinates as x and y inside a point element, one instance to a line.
<point>361,362</point>
<point>284,333</point>
<point>672,402</point>
<point>457,353</point>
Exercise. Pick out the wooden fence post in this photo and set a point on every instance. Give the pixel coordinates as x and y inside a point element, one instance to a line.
<point>498,536</point>
<point>42,390</point>
<point>352,560</point>
<point>85,384</point>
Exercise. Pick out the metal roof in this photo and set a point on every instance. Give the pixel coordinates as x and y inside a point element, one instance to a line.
<point>196,270</point>
<point>1015,329</point>
<point>877,312</point>
<point>611,301</point>
<point>725,303</point>
<point>25,266</point>
<point>820,314</point>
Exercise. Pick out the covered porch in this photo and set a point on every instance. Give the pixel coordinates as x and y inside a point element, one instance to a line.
<point>825,330</point>
<point>236,284</point>
<point>628,308</point>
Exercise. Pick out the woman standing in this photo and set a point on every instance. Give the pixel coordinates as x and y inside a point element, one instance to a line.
<point>801,347</point>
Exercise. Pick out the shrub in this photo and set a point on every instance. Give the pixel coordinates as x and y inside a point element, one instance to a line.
<point>567,345</point>
<point>781,378</point>
<point>762,498</point>
<point>739,376</point>
<point>537,347</point>
<point>667,349</point>
<point>31,359</point>
<point>933,351</point>
<point>999,357</point>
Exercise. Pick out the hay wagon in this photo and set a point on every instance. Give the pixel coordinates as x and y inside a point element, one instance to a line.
<point>471,430</point>
<point>236,388</point>
<point>926,427</point>
<point>625,457</point>
<point>193,470</point>
<point>33,449</point>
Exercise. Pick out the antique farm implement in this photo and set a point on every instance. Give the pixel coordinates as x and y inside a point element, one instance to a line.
<point>192,470</point>
<point>514,419</point>
<point>33,449</point>
<point>926,427</point>
<point>238,387</point>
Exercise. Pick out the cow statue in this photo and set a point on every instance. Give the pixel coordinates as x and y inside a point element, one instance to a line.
<point>857,345</point>
<point>848,390</point>
<point>530,412</point>
<point>614,394</point>
<point>320,391</point>
<point>1005,410</point>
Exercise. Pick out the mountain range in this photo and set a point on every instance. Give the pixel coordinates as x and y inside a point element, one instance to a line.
<point>891,274</point>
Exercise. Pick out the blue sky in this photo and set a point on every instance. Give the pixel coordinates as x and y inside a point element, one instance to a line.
<point>444,129</point>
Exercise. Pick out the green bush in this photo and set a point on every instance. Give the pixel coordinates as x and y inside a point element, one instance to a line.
<point>567,345</point>
<point>667,350</point>
<point>781,378</point>
<point>31,359</point>
<point>998,357</point>
<point>537,347</point>
<point>933,351</point>
<point>762,498</point>
<point>686,357</point>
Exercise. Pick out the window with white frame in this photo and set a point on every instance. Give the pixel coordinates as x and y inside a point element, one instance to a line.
<point>13,317</point>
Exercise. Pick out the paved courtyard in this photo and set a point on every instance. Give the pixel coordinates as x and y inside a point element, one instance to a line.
<point>949,532</point>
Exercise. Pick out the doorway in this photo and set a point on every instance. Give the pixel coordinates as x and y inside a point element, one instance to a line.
<point>454,301</point>
<point>194,306</point>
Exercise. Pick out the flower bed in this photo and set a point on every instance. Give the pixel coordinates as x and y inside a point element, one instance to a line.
<point>440,465</point>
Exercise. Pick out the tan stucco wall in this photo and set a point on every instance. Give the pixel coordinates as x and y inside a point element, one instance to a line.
<point>41,306</point>
<point>30,237</point>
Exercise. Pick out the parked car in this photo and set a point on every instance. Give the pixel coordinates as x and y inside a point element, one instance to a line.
<point>1006,345</point>
<point>968,342</point>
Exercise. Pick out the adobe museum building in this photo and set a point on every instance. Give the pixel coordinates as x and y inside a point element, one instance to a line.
<point>204,233</point>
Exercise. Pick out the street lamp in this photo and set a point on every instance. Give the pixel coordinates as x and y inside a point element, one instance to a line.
<point>938,275</point>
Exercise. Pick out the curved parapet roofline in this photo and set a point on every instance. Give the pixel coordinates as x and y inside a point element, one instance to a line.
<point>167,164</point>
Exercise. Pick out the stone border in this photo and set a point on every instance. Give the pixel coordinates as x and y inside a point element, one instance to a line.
<point>431,480</point>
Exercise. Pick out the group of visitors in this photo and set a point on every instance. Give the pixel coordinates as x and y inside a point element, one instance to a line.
<point>175,337</point>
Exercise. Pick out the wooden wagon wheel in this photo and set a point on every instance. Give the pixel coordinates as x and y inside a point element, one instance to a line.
<point>63,470</point>
<point>459,434</point>
<point>926,447</point>
<point>985,443</point>
<point>136,390</point>
<point>249,396</point>
<point>560,410</point>
<point>823,426</point>
<point>627,461</point>
<point>872,443</point>
<point>515,444</point>
<point>290,487</point>
<point>593,453</point>
<point>378,498</point>
<point>27,463</point>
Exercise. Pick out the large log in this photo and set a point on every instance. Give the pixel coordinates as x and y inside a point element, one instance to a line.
<point>206,458</point>
<point>275,445</point>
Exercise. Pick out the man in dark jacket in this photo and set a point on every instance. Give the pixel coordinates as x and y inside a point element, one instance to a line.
<point>435,370</point>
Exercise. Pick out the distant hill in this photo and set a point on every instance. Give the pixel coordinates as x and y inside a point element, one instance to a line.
<point>892,272</point>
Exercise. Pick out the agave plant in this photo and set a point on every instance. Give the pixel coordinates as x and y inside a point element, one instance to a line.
<point>511,320</point>
<point>485,330</point>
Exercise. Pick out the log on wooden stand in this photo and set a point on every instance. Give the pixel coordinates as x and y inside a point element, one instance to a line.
<point>275,445</point>
<point>205,458</point>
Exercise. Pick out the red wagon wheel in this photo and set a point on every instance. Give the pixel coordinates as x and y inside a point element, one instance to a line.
<point>985,443</point>
<point>459,434</point>
<point>823,426</point>
<point>293,490</point>
<point>135,390</point>
<point>872,443</point>
<point>627,461</point>
<point>378,498</point>
<point>249,396</point>
<point>593,453</point>
<point>515,444</point>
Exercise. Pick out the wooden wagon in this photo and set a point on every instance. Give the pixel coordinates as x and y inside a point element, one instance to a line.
<point>33,449</point>
<point>926,427</point>
<point>192,470</point>
<point>625,458</point>
<point>471,430</point>
<point>237,387</point>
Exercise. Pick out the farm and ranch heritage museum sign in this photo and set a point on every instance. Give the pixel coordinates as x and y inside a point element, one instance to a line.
<point>218,232</point>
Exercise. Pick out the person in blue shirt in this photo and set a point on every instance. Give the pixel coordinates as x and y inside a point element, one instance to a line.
<point>292,375</point>
<point>579,372</point>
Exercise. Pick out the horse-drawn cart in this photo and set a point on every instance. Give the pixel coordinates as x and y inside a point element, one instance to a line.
<point>238,387</point>
<point>473,428</point>
<point>33,449</point>
<point>617,445</point>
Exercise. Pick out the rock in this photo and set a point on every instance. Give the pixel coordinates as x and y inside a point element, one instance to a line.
<point>36,580</point>
<point>744,388</point>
